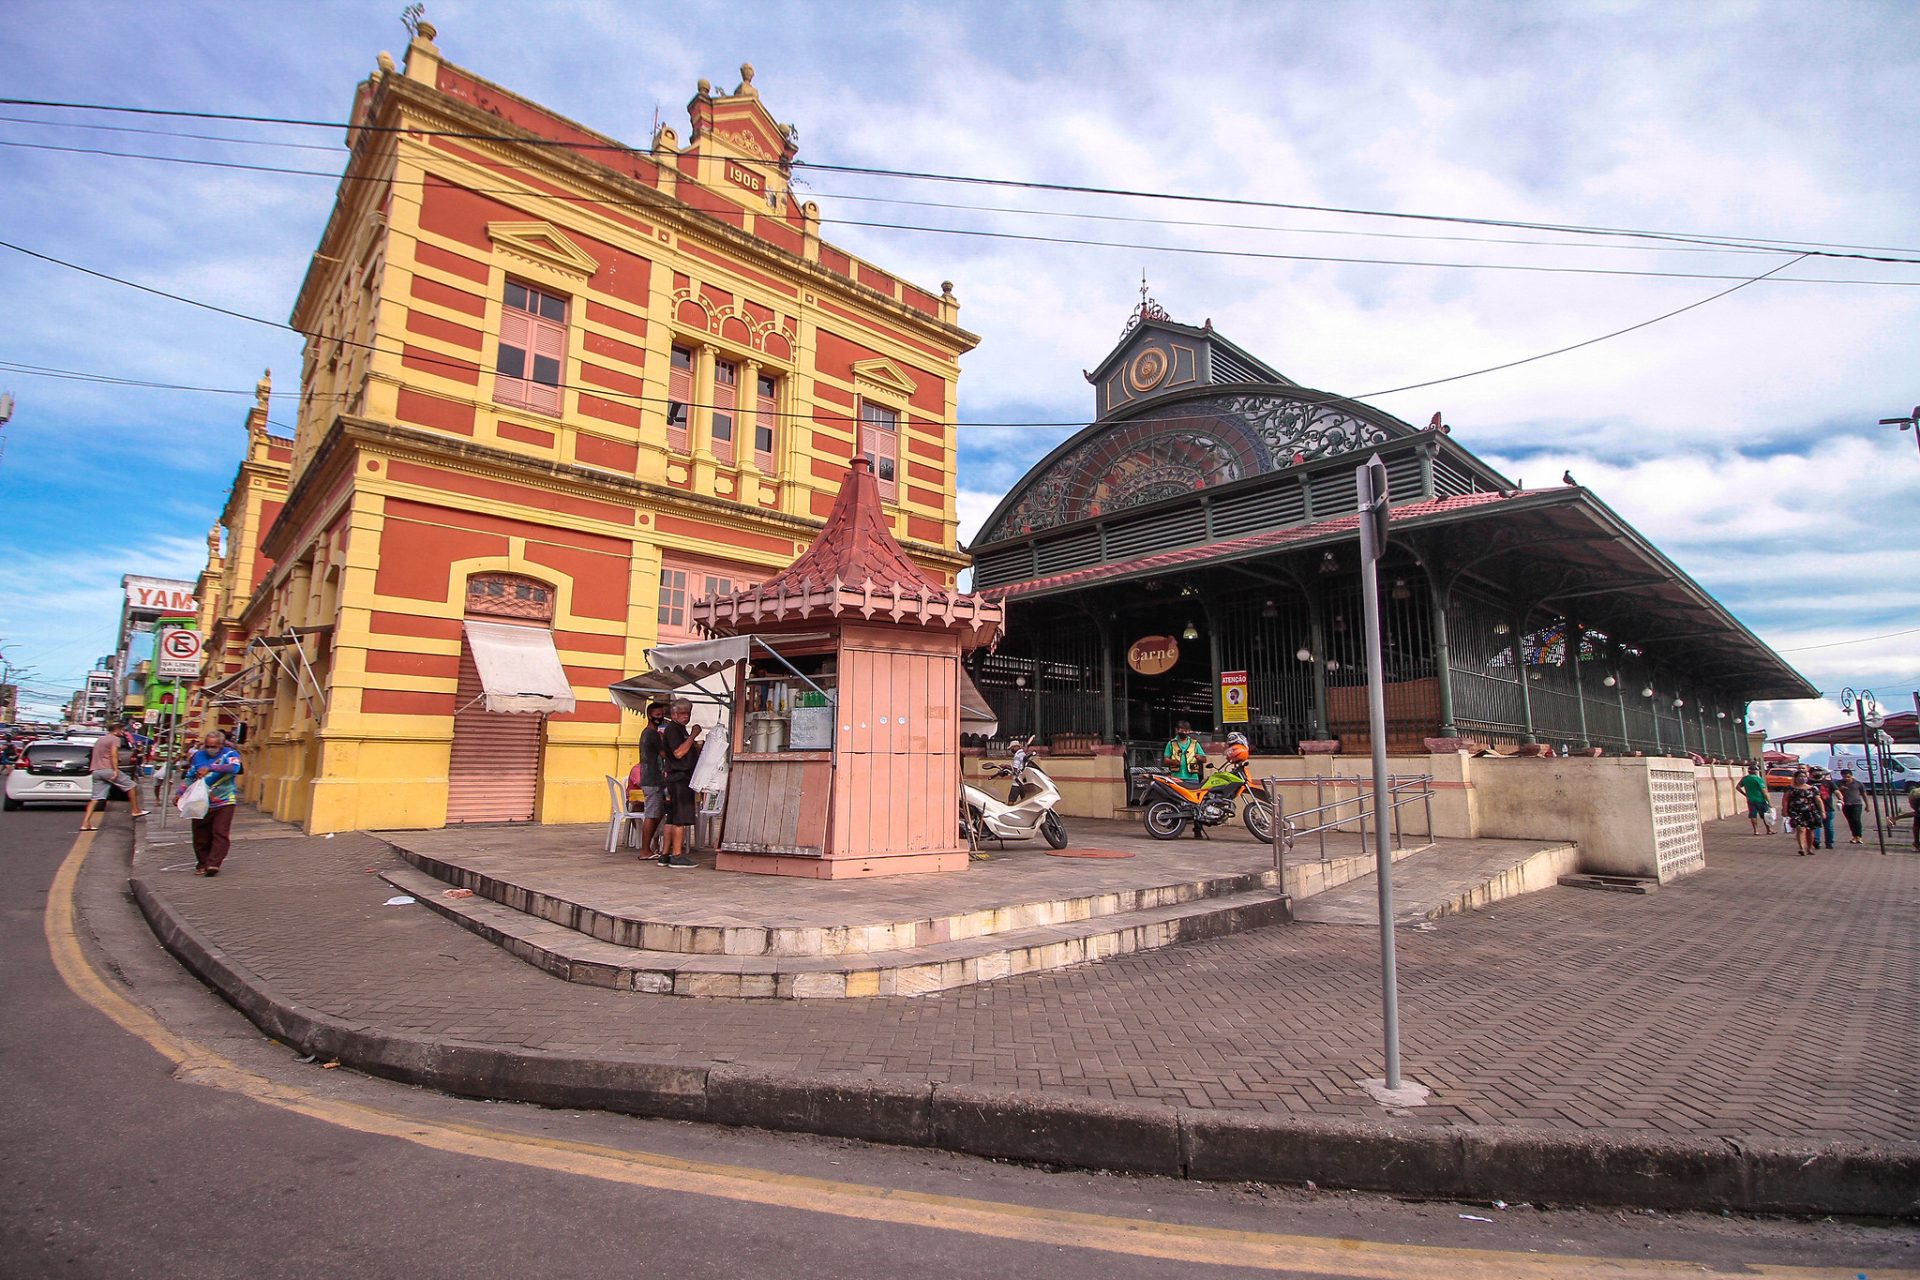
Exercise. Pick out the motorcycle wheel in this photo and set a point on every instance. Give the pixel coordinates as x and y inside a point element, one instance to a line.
<point>1259,820</point>
<point>1164,820</point>
<point>1054,831</point>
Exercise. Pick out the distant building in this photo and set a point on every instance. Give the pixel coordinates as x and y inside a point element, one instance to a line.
<point>557,390</point>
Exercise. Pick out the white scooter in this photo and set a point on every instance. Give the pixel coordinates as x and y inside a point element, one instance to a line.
<point>1028,810</point>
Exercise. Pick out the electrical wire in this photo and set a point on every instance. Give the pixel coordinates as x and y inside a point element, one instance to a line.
<point>467,366</point>
<point>1028,237</point>
<point>1081,215</point>
<point>1891,635</point>
<point>1819,248</point>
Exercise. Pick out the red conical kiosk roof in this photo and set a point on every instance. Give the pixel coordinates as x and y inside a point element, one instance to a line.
<point>854,569</point>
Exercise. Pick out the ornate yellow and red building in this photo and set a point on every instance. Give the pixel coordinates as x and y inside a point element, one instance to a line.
<point>555,389</point>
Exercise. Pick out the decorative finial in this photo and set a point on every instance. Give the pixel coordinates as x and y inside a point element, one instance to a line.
<point>946,288</point>
<point>1147,310</point>
<point>384,61</point>
<point>263,389</point>
<point>746,75</point>
<point>427,31</point>
<point>213,542</point>
<point>410,19</point>
<point>704,87</point>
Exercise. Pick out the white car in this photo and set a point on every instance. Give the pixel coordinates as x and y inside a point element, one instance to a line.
<point>53,771</point>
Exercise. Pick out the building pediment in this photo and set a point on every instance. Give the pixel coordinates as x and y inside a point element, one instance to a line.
<point>543,242</point>
<point>885,375</point>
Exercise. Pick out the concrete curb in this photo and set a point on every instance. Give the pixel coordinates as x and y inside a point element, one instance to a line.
<point>1479,1163</point>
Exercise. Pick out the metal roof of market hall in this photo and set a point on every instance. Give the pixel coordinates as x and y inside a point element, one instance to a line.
<point>1200,455</point>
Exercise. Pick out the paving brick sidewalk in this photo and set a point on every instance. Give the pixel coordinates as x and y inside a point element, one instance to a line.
<point>1769,997</point>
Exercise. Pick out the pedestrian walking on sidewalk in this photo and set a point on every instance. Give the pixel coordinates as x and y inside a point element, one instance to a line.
<point>1823,783</point>
<point>1754,788</point>
<point>679,752</point>
<point>1805,810</point>
<point>1913,815</point>
<point>108,777</point>
<point>219,766</point>
<point>1853,805</point>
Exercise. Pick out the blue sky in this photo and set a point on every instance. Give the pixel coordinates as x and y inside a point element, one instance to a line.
<point>1741,437</point>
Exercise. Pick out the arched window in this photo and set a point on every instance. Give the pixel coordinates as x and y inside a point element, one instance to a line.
<point>508,595</point>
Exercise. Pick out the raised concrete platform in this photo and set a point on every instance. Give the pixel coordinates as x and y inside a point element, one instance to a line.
<point>1451,876</point>
<point>553,898</point>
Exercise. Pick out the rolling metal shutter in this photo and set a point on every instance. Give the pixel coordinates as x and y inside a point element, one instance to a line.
<point>494,770</point>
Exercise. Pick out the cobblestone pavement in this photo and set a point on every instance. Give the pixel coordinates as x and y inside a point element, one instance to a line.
<point>1768,996</point>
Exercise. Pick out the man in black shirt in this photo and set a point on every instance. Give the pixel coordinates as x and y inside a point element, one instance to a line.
<point>650,782</point>
<point>679,752</point>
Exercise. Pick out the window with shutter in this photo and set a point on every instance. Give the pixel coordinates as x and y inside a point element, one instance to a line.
<point>673,598</point>
<point>531,363</point>
<point>679,397</point>
<point>766,419</point>
<point>880,443</point>
<point>726,380</point>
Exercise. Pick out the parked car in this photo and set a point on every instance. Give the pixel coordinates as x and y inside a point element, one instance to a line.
<point>1780,776</point>
<point>53,771</point>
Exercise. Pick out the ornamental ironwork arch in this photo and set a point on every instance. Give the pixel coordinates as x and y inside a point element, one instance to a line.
<point>1177,449</point>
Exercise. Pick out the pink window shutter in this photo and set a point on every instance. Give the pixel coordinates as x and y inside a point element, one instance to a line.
<point>724,400</point>
<point>516,331</point>
<point>679,389</point>
<point>549,341</point>
<point>767,424</point>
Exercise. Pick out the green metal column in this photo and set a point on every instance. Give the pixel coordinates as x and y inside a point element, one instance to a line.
<point>1576,644</point>
<point>1437,597</point>
<point>1520,670</point>
<point>1317,639</point>
<point>1106,681</point>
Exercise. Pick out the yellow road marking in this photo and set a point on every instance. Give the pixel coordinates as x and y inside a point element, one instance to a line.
<point>1319,1255</point>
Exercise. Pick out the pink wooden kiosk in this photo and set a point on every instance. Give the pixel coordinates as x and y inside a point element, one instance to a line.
<point>846,725</point>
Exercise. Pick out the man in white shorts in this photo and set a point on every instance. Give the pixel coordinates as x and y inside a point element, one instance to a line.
<point>107,777</point>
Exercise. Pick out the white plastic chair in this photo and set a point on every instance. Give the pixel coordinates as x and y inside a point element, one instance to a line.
<point>624,826</point>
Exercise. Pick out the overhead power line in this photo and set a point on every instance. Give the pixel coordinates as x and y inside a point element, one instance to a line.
<point>465,366</point>
<point>1080,215</point>
<point>1825,249</point>
<point>1028,237</point>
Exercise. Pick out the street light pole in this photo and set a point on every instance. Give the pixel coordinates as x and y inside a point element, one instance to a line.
<point>1909,423</point>
<point>1866,708</point>
<point>1370,482</point>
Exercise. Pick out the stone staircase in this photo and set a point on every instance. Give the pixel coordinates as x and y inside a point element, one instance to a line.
<point>624,950</point>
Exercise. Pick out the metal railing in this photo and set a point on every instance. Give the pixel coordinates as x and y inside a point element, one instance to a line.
<point>1402,790</point>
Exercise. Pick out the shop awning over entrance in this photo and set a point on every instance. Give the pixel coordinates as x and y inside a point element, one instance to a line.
<point>519,668</point>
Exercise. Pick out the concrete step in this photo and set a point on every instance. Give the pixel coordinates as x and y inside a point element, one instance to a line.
<point>734,938</point>
<point>915,970</point>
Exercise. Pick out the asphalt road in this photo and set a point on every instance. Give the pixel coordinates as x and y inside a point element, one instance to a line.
<point>218,1154</point>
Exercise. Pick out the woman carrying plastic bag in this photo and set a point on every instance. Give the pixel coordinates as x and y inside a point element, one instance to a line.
<point>213,768</point>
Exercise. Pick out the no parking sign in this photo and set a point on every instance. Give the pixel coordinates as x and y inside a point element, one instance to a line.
<point>177,654</point>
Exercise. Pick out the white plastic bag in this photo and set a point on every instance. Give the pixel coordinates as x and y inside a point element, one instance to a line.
<point>1773,817</point>
<point>193,801</point>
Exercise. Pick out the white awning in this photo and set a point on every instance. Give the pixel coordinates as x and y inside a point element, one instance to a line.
<point>675,667</point>
<point>976,713</point>
<point>519,668</point>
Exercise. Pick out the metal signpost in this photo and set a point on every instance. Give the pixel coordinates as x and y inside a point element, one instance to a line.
<point>1371,483</point>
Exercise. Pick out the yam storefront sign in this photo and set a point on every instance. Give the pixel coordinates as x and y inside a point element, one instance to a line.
<point>1153,655</point>
<point>1233,697</point>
